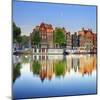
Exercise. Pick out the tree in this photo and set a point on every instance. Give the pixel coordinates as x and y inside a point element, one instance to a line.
<point>19,39</point>
<point>16,71</point>
<point>25,40</point>
<point>59,36</point>
<point>36,67</point>
<point>36,37</point>
<point>60,68</point>
<point>16,32</point>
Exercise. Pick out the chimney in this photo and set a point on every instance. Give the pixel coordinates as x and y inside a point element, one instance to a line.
<point>83,29</point>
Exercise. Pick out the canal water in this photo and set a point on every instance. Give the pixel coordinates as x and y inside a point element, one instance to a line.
<point>53,75</point>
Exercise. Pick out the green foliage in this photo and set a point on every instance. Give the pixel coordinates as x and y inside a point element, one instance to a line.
<point>59,36</point>
<point>36,37</point>
<point>25,40</point>
<point>19,39</point>
<point>16,71</point>
<point>59,68</point>
<point>36,67</point>
<point>16,31</point>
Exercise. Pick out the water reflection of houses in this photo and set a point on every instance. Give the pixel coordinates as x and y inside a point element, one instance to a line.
<point>75,64</point>
<point>87,65</point>
<point>83,64</point>
<point>69,63</point>
<point>46,69</point>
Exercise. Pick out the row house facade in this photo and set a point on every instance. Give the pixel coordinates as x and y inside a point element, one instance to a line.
<point>46,34</point>
<point>94,40</point>
<point>75,40</point>
<point>87,39</point>
<point>68,40</point>
<point>84,39</point>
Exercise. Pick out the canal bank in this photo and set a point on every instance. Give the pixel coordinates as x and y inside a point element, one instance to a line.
<point>53,51</point>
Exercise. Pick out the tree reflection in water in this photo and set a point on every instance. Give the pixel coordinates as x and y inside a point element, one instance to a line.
<point>47,68</point>
<point>36,67</point>
<point>16,71</point>
<point>60,68</point>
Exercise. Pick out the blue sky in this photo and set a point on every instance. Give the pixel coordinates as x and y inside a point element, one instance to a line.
<point>73,17</point>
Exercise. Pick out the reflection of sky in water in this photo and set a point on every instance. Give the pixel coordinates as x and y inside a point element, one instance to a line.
<point>73,83</point>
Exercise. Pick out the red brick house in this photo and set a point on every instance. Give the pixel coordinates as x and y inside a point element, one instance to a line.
<point>46,34</point>
<point>87,38</point>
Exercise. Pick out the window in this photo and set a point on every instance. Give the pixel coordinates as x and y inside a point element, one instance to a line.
<point>43,49</point>
<point>34,50</point>
<point>39,50</point>
<point>43,36</point>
